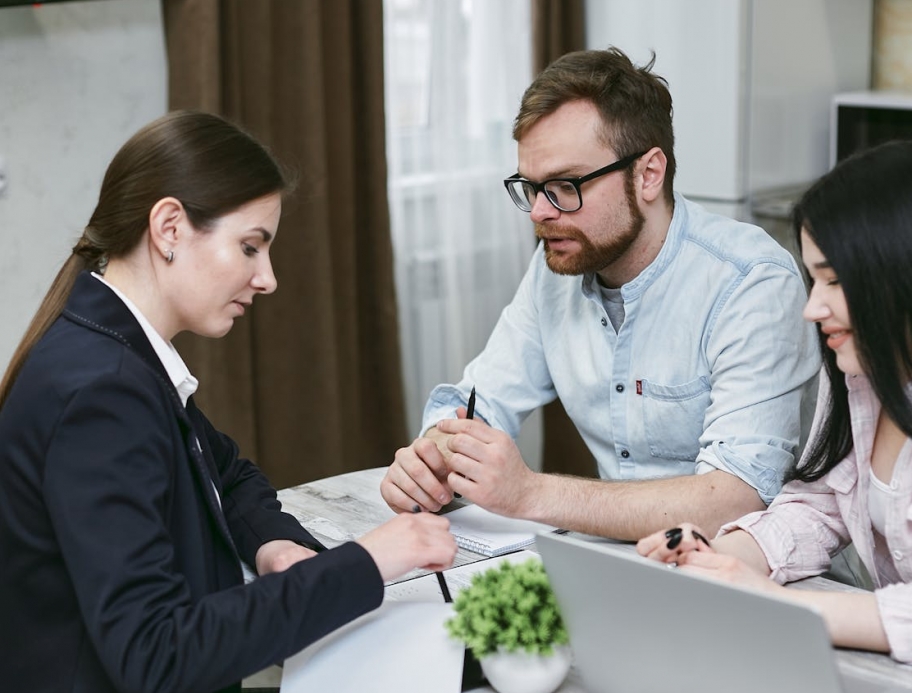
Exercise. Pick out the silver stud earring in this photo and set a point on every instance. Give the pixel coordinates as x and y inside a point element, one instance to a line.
<point>170,256</point>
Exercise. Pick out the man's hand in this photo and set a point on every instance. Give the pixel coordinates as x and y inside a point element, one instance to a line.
<point>487,467</point>
<point>280,554</point>
<point>419,472</point>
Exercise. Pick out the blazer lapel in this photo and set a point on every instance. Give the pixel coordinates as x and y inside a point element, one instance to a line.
<point>206,474</point>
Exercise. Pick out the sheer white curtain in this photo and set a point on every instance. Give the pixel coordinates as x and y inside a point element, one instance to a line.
<point>454,71</point>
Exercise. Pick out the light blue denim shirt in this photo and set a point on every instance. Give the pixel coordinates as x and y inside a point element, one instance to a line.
<point>712,368</point>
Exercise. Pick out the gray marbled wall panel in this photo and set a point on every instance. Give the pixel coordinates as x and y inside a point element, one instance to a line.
<point>76,79</point>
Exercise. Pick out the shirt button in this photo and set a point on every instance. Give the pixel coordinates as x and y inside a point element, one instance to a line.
<point>897,554</point>
<point>604,322</point>
<point>619,388</point>
<point>625,454</point>
<point>894,485</point>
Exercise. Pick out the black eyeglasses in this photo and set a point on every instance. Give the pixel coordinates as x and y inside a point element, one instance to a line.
<point>563,193</point>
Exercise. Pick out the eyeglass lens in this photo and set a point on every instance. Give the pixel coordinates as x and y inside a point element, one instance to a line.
<point>562,194</point>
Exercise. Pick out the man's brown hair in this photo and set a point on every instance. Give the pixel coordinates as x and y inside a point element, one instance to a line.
<point>634,103</point>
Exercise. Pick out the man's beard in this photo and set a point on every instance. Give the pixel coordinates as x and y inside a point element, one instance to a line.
<point>592,257</point>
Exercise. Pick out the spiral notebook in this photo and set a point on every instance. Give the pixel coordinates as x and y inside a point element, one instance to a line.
<point>490,534</point>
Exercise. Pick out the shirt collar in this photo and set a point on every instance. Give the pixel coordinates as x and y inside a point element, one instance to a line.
<point>177,370</point>
<point>637,285</point>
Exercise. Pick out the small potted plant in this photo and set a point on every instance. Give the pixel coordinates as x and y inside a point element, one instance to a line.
<point>509,619</point>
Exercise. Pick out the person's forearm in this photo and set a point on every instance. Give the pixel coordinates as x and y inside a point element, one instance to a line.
<point>629,510</point>
<point>852,618</point>
<point>742,545</point>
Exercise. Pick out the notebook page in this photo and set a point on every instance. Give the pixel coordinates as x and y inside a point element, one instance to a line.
<point>490,534</point>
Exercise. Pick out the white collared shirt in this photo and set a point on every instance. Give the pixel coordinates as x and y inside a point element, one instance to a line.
<point>177,370</point>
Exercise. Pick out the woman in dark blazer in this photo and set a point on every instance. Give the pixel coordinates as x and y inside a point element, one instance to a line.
<point>124,514</point>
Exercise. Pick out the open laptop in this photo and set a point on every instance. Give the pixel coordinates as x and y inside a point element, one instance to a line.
<point>637,626</point>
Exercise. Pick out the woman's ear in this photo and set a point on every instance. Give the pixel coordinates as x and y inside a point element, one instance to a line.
<point>653,174</point>
<point>167,220</point>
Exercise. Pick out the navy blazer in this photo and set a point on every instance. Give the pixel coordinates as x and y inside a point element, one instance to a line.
<point>119,571</point>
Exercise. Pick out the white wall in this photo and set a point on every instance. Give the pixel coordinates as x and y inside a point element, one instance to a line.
<point>751,82</point>
<point>76,80</point>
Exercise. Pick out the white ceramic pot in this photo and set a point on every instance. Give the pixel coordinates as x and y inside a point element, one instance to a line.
<point>522,672</point>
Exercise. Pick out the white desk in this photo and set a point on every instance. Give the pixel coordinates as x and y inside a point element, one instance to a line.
<point>344,507</point>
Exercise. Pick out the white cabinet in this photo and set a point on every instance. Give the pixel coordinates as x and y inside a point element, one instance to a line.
<point>751,82</point>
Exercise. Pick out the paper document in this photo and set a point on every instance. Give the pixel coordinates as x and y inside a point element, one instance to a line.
<point>427,589</point>
<point>402,647</point>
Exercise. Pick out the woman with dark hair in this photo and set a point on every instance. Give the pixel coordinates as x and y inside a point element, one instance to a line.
<point>854,483</point>
<point>124,515</point>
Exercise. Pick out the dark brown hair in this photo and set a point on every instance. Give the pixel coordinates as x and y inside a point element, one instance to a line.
<point>209,164</point>
<point>634,103</point>
<point>860,217</point>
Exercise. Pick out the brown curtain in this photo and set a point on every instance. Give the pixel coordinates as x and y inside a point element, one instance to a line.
<point>309,382</point>
<point>558,27</point>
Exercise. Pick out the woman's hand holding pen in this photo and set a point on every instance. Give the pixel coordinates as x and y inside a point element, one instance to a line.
<point>409,541</point>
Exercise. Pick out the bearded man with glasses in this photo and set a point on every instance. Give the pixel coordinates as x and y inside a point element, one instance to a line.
<point>672,336</point>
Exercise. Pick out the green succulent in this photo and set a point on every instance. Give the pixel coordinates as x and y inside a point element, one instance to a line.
<point>511,606</point>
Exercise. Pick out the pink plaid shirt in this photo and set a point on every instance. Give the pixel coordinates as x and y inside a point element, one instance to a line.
<point>807,524</point>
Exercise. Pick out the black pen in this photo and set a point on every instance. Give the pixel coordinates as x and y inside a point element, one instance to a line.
<point>440,579</point>
<point>470,414</point>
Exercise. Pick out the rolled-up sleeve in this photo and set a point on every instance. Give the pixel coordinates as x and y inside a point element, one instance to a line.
<point>764,360</point>
<point>895,604</point>
<point>798,540</point>
<point>798,533</point>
